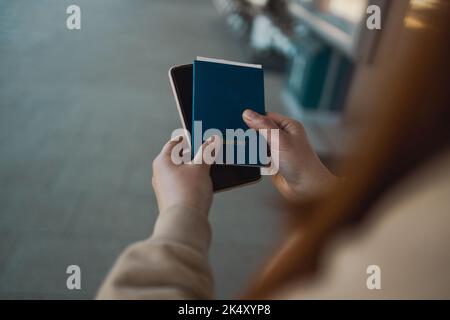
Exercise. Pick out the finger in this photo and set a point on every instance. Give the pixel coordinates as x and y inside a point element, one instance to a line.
<point>167,149</point>
<point>284,123</point>
<point>265,125</point>
<point>208,152</point>
<point>258,121</point>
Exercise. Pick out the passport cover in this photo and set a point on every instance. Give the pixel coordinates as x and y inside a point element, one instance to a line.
<point>222,91</point>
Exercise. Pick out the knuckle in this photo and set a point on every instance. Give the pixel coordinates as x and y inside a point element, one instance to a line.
<point>298,125</point>
<point>264,122</point>
<point>155,162</point>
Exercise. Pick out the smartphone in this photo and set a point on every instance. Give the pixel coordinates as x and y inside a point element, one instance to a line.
<point>224,177</point>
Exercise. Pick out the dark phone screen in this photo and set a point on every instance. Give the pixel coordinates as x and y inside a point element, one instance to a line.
<point>222,176</point>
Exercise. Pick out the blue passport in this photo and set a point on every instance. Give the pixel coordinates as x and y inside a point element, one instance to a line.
<point>222,91</point>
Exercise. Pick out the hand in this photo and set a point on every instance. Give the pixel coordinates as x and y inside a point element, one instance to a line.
<point>301,173</point>
<point>186,184</point>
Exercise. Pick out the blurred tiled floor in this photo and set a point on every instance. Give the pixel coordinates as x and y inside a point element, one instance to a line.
<point>82,115</point>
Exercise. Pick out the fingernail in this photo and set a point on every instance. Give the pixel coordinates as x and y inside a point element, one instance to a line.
<point>177,138</point>
<point>211,139</point>
<point>216,138</point>
<point>250,115</point>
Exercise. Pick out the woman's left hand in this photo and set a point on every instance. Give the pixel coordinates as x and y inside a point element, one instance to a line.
<point>186,184</point>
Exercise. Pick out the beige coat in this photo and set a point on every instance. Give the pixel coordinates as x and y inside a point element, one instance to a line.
<point>408,238</point>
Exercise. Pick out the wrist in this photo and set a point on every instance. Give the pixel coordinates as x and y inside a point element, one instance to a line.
<point>311,179</point>
<point>317,181</point>
<point>200,207</point>
<point>183,224</point>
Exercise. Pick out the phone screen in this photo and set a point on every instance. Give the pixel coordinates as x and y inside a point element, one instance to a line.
<point>222,176</point>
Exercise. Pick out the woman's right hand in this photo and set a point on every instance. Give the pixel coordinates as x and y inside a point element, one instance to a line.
<point>301,173</point>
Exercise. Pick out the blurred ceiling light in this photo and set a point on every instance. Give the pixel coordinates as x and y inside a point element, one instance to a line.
<point>416,19</point>
<point>423,4</point>
<point>414,23</point>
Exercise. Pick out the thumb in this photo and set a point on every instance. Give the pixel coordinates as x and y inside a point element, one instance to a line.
<point>286,124</point>
<point>258,121</point>
<point>266,126</point>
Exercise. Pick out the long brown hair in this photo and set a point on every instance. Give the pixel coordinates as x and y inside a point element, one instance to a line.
<point>411,124</point>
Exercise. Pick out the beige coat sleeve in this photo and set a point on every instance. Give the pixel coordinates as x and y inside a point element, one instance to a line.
<point>171,264</point>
